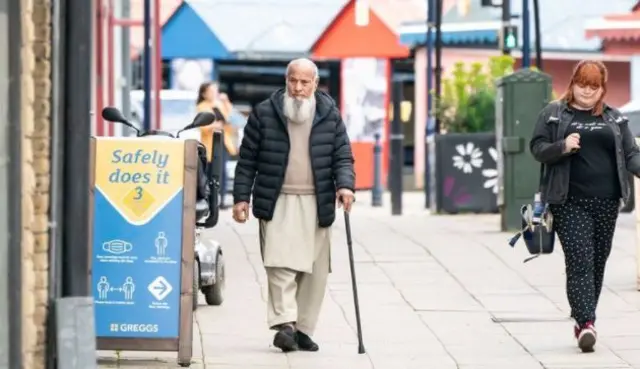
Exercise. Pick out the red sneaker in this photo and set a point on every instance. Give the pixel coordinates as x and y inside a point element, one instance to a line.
<point>587,337</point>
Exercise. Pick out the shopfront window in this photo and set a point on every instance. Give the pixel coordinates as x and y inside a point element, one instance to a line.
<point>4,164</point>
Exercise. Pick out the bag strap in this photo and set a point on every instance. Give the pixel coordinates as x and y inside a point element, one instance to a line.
<point>531,258</point>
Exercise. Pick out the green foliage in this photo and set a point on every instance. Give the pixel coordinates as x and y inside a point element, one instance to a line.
<point>467,103</point>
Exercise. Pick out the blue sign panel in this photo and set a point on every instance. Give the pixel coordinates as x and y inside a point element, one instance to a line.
<point>137,237</point>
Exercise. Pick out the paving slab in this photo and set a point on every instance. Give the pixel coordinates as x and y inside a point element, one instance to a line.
<point>436,291</point>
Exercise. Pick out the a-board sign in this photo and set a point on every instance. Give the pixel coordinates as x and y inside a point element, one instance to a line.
<point>142,243</point>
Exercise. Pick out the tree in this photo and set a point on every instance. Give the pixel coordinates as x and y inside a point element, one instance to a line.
<point>467,103</point>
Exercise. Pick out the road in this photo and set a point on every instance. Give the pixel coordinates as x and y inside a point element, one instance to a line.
<point>436,292</point>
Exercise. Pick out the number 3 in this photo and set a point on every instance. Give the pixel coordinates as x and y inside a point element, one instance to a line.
<point>138,195</point>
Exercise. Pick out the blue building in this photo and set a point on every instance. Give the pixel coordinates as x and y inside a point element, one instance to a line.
<point>244,45</point>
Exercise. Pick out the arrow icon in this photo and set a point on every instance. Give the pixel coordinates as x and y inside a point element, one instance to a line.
<point>160,288</point>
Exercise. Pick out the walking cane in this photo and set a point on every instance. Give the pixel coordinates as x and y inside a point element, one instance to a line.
<point>354,285</point>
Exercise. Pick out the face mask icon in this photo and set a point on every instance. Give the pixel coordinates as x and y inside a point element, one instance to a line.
<point>117,247</point>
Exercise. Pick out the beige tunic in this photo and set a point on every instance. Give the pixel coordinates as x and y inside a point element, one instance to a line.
<point>292,239</point>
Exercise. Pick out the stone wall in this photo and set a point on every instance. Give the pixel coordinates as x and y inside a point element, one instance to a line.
<point>35,115</point>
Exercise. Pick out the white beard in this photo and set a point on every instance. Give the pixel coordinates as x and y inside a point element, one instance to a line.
<point>299,111</point>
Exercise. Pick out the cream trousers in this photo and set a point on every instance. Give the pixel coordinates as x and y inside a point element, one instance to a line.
<point>297,258</point>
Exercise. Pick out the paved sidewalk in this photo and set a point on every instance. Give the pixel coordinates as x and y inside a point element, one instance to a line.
<point>436,292</point>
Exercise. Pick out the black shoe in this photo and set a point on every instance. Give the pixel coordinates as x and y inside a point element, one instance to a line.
<point>305,343</point>
<point>285,339</point>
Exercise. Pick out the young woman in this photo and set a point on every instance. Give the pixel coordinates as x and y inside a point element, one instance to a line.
<point>207,100</point>
<point>210,98</point>
<point>587,149</point>
<point>231,148</point>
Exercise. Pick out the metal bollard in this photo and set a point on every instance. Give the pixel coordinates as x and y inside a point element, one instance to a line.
<point>376,191</point>
<point>396,161</point>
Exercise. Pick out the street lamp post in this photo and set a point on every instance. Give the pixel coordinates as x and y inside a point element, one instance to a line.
<point>526,35</point>
<point>536,20</point>
<point>429,121</point>
<point>147,65</point>
<point>438,68</point>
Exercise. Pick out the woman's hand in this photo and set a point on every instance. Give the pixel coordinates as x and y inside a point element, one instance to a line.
<point>572,143</point>
<point>217,126</point>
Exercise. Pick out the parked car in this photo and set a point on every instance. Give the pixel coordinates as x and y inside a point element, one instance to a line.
<point>632,111</point>
<point>238,119</point>
<point>176,108</point>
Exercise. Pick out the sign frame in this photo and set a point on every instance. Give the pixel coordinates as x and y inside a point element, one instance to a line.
<point>183,344</point>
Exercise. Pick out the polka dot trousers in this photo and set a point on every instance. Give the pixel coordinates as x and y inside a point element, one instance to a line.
<point>585,227</point>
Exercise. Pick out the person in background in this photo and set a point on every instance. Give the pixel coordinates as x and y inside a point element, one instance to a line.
<point>226,108</point>
<point>295,166</point>
<point>209,98</point>
<point>587,149</point>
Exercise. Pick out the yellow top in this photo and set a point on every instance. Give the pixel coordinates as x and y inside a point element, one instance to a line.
<point>206,132</point>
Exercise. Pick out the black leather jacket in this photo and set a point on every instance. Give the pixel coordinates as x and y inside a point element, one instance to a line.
<point>547,147</point>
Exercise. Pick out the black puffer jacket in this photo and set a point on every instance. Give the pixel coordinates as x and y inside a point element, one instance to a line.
<point>264,155</point>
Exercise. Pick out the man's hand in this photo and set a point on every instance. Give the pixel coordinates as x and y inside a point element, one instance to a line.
<point>345,198</point>
<point>241,212</point>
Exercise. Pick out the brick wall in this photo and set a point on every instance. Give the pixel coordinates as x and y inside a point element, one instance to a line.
<point>35,115</point>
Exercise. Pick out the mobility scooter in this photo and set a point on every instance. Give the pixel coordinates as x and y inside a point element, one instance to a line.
<point>209,268</point>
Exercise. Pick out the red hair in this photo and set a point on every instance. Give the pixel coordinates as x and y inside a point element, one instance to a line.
<point>590,73</point>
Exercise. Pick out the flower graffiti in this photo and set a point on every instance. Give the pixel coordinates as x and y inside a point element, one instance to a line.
<point>491,174</point>
<point>468,157</point>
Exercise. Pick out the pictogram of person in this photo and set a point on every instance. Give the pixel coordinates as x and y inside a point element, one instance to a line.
<point>103,288</point>
<point>161,244</point>
<point>128,288</point>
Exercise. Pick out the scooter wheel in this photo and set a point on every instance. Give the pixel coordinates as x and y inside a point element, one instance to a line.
<point>214,294</point>
<point>196,283</point>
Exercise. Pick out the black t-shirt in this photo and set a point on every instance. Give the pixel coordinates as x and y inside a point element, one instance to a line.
<point>593,168</point>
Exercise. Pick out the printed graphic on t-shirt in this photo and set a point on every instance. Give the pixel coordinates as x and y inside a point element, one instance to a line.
<point>592,126</point>
<point>594,171</point>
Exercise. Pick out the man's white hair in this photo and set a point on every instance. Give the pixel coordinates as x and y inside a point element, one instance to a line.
<point>303,62</point>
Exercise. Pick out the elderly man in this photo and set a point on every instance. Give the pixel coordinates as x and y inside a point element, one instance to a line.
<point>296,158</point>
